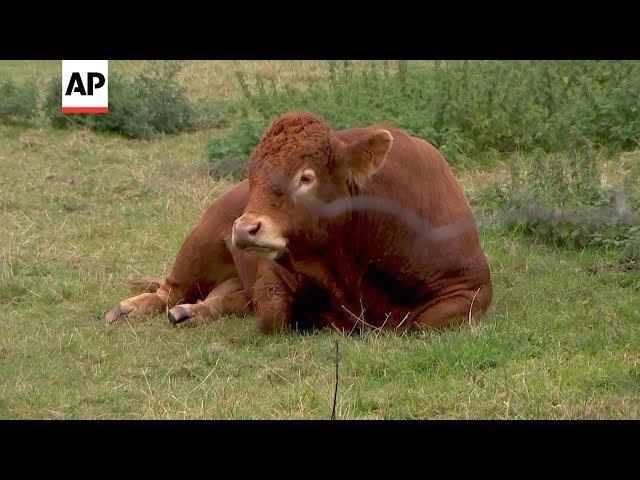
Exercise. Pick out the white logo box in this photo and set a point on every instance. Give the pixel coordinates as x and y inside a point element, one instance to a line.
<point>83,80</point>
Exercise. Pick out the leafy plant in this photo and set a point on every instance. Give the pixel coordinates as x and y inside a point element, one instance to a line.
<point>560,199</point>
<point>230,155</point>
<point>144,106</point>
<point>18,102</point>
<point>469,107</point>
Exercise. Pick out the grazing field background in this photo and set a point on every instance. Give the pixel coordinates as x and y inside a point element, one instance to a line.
<point>547,153</point>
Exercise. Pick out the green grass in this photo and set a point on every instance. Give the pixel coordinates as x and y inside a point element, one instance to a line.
<point>80,212</point>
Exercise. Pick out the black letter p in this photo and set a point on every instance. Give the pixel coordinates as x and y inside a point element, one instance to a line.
<point>100,83</point>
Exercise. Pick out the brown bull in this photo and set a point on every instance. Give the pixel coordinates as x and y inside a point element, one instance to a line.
<point>358,228</point>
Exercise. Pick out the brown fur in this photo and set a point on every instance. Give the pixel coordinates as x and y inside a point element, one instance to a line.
<point>386,241</point>
<point>146,284</point>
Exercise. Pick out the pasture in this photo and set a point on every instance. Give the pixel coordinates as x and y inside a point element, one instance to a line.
<point>82,211</point>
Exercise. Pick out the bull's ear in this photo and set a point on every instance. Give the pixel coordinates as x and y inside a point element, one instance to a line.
<point>363,157</point>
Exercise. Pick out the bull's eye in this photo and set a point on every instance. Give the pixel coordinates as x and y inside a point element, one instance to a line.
<point>307,178</point>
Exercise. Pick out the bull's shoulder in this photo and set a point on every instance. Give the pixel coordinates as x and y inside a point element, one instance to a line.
<point>403,143</point>
<point>410,159</point>
<point>426,146</point>
<point>353,134</point>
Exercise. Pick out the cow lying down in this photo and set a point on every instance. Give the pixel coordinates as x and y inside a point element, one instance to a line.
<point>351,229</point>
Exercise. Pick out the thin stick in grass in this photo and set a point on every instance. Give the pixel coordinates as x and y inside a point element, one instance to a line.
<point>335,390</point>
<point>471,306</point>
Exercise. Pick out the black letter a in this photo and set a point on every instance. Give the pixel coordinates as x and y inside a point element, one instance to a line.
<point>75,78</point>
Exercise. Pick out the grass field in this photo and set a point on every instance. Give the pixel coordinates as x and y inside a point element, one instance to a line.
<point>80,212</point>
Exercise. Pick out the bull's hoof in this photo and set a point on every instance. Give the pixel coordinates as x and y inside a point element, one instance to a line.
<point>118,312</point>
<point>179,314</point>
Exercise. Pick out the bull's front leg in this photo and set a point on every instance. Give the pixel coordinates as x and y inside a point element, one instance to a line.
<point>229,297</point>
<point>274,295</point>
<point>148,303</point>
<point>270,294</point>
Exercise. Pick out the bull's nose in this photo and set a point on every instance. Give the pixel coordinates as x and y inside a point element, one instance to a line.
<point>250,229</point>
<point>245,231</point>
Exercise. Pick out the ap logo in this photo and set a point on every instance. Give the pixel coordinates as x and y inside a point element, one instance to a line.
<point>85,86</point>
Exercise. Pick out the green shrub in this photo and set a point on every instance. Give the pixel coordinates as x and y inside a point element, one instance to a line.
<point>144,106</point>
<point>128,112</point>
<point>631,252</point>
<point>230,155</point>
<point>167,106</point>
<point>215,113</point>
<point>469,107</point>
<point>18,102</point>
<point>560,199</point>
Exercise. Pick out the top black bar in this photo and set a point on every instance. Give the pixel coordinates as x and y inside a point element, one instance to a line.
<point>415,36</point>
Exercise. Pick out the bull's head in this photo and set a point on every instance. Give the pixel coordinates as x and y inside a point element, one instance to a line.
<point>299,166</point>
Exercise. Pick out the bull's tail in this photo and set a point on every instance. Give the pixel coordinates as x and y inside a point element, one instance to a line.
<point>147,284</point>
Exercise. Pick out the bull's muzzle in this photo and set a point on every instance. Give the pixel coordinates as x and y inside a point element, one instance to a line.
<point>258,236</point>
